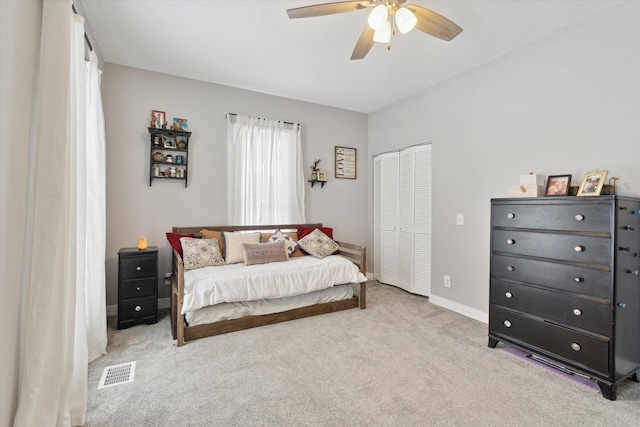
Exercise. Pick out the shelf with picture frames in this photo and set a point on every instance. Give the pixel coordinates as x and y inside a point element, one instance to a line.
<point>169,155</point>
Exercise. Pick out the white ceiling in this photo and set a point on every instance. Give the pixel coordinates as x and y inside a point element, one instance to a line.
<point>254,45</point>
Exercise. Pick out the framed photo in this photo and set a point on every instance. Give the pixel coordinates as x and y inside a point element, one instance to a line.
<point>159,118</point>
<point>345,162</point>
<point>169,143</point>
<point>558,185</point>
<point>180,123</point>
<point>592,183</point>
<point>322,176</point>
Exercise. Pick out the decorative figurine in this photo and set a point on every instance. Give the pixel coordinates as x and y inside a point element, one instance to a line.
<point>153,121</point>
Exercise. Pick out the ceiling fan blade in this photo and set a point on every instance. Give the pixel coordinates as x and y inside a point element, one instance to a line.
<point>327,9</point>
<point>364,45</point>
<point>434,24</point>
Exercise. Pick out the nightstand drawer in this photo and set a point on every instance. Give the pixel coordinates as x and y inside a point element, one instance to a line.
<point>138,266</point>
<point>566,277</point>
<point>138,308</point>
<point>562,308</point>
<point>548,339</point>
<point>564,247</point>
<point>570,217</point>
<point>137,288</point>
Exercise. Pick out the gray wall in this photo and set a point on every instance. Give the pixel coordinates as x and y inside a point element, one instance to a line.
<point>135,209</point>
<point>566,104</point>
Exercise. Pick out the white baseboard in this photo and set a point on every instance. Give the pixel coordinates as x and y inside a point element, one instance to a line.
<point>460,308</point>
<point>112,310</point>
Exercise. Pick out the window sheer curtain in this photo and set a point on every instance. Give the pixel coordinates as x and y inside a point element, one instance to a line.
<point>265,174</point>
<point>61,329</point>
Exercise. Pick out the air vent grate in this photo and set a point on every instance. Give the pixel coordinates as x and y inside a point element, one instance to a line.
<point>117,374</point>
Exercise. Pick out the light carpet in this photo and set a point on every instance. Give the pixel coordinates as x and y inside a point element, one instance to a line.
<point>400,362</point>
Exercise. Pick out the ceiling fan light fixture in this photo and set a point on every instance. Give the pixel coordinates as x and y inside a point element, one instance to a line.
<point>378,16</point>
<point>383,35</point>
<point>405,20</point>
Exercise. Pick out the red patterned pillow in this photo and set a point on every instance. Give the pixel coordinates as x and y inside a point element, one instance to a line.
<point>174,240</point>
<point>304,231</point>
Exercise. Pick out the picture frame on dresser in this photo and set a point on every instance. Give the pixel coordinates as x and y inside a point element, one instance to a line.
<point>558,185</point>
<point>592,183</point>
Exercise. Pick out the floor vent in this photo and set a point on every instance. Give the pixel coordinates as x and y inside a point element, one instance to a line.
<point>117,374</point>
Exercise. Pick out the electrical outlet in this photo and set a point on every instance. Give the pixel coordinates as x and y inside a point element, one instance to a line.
<point>459,219</point>
<point>447,281</point>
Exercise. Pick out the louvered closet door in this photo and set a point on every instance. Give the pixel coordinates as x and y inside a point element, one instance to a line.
<point>405,235</point>
<point>377,216</point>
<point>422,214</point>
<point>388,242</point>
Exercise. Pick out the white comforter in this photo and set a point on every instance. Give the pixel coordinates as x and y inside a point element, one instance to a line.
<point>238,282</point>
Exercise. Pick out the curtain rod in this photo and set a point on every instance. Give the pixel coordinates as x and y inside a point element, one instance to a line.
<point>86,39</point>
<point>259,118</point>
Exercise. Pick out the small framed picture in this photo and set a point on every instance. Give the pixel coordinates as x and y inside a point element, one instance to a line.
<point>169,143</point>
<point>322,176</point>
<point>180,124</point>
<point>346,165</point>
<point>314,176</point>
<point>558,185</point>
<point>592,183</point>
<point>158,119</point>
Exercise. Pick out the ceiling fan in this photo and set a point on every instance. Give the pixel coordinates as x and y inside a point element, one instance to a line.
<point>386,17</point>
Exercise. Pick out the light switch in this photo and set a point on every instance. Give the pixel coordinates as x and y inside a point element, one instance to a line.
<point>459,219</point>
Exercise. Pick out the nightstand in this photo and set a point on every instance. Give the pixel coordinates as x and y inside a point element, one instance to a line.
<point>137,286</point>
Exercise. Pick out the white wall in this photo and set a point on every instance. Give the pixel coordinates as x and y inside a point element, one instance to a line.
<point>135,209</point>
<point>20,41</point>
<point>568,103</point>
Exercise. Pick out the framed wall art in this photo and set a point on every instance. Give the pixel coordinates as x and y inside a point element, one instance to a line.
<point>592,183</point>
<point>158,119</point>
<point>558,185</point>
<point>346,164</point>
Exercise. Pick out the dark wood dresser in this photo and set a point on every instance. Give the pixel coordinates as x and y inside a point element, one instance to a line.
<point>137,286</point>
<point>565,283</point>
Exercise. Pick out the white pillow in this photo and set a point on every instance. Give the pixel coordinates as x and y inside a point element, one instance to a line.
<point>318,244</point>
<point>198,253</point>
<point>233,245</point>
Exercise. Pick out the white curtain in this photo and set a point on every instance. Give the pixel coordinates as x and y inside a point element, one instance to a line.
<point>265,175</point>
<point>57,265</point>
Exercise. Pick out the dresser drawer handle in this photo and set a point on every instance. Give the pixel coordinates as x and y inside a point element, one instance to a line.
<point>137,288</point>
<point>508,295</point>
<point>578,279</point>
<point>138,268</point>
<point>634,272</point>
<point>579,217</point>
<point>507,323</point>
<point>138,308</point>
<point>629,227</point>
<point>510,268</point>
<point>575,346</point>
<point>511,215</point>
<point>577,311</point>
<point>511,242</point>
<point>579,249</point>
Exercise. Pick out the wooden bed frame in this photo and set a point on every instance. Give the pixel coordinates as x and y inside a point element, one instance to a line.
<point>184,333</point>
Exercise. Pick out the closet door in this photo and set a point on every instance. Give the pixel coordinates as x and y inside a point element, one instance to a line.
<point>422,197</point>
<point>386,219</point>
<point>405,211</point>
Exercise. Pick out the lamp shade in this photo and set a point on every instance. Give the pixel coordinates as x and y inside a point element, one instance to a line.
<point>383,35</point>
<point>405,20</point>
<point>378,17</point>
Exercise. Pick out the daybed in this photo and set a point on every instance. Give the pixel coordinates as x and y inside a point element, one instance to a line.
<point>192,319</point>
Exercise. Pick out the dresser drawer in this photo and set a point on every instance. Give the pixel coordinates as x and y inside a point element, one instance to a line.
<point>566,277</point>
<point>571,346</point>
<point>589,217</point>
<point>138,266</point>
<point>566,309</point>
<point>566,247</point>
<point>137,288</point>
<point>138,308</point>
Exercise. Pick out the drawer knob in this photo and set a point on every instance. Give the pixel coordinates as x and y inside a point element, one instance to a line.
<point>622,305</point>
<point>629,227</point>
<point>577,311</point>
<point>507,323</point>
<point>508,295</point>
<point>511,242</point>
<point>138,288</point>
<point>579,249</point>
<point>578,279</point>
<point>634,272</point>
<point>579,217</point>
<point>510,268</point>
<point>575,346</point>
<point>138,268</point>
<point>511,215</point>
<point>138,308</point>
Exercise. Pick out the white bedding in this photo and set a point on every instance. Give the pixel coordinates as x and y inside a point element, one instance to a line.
<point>236,310</point>
<point>238,282</point>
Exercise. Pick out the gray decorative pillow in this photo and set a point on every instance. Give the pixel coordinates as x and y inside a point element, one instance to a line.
<point>198,253</point>
<point>262,253</point>
<point>290,244</point>
<point>318,244</point>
